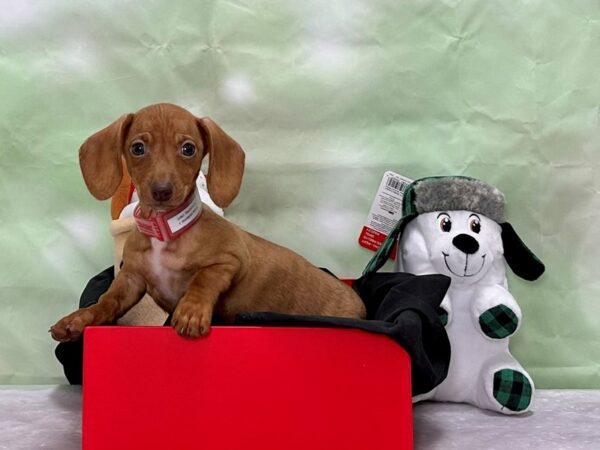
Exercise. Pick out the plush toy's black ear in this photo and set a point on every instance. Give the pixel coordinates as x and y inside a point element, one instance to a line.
<point>521,260</point>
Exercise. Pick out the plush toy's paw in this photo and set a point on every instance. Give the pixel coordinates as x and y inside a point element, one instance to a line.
<point>71,327</point>
<point>192,319</point>
<point>498,322</point>
<point>443,315</point>
<point>444,311</point>
<point>513,390</point>
<point>495,312</point>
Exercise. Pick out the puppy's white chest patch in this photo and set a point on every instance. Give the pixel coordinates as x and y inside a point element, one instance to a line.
<point>162,274</point>
<point>155,257</point>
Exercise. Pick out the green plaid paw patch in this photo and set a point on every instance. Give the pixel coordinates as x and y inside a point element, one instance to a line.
<point>442,315</point>
<point>512,389</point>
<point>498,322</point>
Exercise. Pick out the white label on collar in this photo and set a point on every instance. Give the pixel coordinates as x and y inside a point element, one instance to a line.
<point>385,212</point>
<point>180,220</point>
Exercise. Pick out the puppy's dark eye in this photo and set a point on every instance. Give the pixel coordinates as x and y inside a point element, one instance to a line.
<point>188,149</point>
<point>445,223</point>
<point>138,149</point>
<point>475,225</point>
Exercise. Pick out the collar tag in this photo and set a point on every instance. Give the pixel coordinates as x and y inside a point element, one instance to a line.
<point>167,226</point>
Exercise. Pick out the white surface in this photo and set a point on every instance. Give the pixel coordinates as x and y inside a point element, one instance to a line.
<point>559,419</point>
<point>49,417</point>
<point>33,417</point>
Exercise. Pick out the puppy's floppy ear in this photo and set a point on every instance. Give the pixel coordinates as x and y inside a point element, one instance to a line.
<point>520,259</point>
<point>226,166</point>
<point>100,158</point>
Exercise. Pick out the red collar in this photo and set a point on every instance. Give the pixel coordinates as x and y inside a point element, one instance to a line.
<point>169,225</point>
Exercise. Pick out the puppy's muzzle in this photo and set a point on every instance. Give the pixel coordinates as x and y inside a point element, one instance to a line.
<point>466,244</point>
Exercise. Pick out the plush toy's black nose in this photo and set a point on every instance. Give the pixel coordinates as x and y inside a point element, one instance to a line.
<point>465,243</point>
<point>161,192</point>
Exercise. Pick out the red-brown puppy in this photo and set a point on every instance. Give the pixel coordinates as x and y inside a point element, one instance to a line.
<point>204,265</point>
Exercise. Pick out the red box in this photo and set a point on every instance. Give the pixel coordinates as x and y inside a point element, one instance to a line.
<point>245,388</point>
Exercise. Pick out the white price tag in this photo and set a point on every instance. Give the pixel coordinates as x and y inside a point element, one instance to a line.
<point>385,212</point>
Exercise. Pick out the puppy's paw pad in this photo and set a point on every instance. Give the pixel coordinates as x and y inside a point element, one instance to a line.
<point>64,332</point>
<point>71,327</point>
<point>192,321</point>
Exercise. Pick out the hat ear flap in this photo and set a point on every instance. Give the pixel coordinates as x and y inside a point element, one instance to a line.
<point>520,259</point>
<point>385,250</point>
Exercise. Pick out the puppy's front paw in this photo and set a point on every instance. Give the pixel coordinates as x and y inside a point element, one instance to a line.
<point>192,319</point>
<point>71,327</point>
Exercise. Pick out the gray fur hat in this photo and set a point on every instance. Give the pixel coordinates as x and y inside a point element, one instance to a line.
<point>457,193</point>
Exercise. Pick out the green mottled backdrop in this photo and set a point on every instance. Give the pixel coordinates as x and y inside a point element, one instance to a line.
<point>324,96</point>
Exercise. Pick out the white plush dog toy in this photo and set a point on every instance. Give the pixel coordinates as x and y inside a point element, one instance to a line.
<point>456,226</point>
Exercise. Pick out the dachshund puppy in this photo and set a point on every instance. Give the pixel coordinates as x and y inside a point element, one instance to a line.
<point>192,262</point>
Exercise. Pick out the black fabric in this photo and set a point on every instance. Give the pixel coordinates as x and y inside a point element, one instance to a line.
<point>96,287</point>
<point>70,355</point>
<point>400,305</point>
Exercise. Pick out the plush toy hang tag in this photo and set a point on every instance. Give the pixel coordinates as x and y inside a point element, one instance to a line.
<point>385,212</point>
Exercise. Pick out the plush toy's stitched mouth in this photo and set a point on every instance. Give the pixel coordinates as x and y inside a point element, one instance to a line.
<point>465,274</point>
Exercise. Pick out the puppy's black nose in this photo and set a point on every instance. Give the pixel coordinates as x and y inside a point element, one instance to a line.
<point>161,192</point>
<point>465,243</point>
